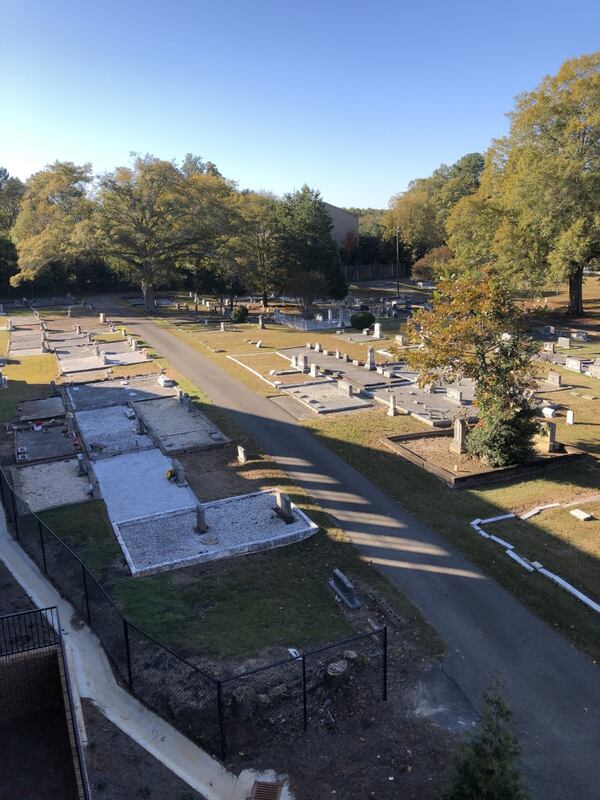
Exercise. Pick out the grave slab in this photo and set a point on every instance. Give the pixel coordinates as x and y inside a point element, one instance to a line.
<point>51,485</point>
<point>44,445</point>
<point>102,394</point>
<point>41,409</point>
<point>324,397</point>
<point>109,431</point>
<point>234,526</point>
<point>134,486</point>
<point>176,428</point>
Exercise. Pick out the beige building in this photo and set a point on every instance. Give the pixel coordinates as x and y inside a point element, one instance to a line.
<point>343,223</point>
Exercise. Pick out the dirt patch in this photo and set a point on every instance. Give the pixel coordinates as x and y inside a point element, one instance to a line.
<point>119,769</point>
<point>216,474</point>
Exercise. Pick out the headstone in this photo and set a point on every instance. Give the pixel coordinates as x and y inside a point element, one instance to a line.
<point>314,370</point>
<point>370,362</point>
<point>68,312</point>
<point>552,443</point>
<point>548,412</point>
<point>582,516</point>
<point>9,325</point>
<point>594,371</point>
<point>318,348</point>
<point>377,330</point>
<point>391,412</point>
<point>554,378</point>
<point>564,342</point>
<point>400,339</point>
<point>134,344</point>
<point>123,332</point>
<point>179,472</point>
<point>344,589</point>
<point>347,359</point>
<point>454,395</point>
<point>294,362</point>
<point>345,387</point>
<point>460,435</point>
<point>549,329</point>
<point>163,380</point>
<point>261,323</point>
<point>222,327</point>
<point>102,317</point>
<point>304,363</point>
<point>200,519</point>
<point>140,428</point>
<point>89,338</point>
<point>338,354</point>
<point>330,314</point>
<point>570,417</point>
<point>96,349</point>
<point>580,336</point>
<point>241,454</point>
<point>258,345</point>
<point>179,394</point>
<point>308,346</point>
<point>284,507</point>
<point>549,347</point>
<point>574,364</point>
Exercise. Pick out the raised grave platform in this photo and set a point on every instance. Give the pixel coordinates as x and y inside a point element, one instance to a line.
<point>236,525</point>
<point>52,442</point>
<point>325,397</point>
<point>46,408</point>
<point>134,485</point>
<point>50,485</point>
<point>102,394</point>
<point>176,428</point>
<point>110,431</point>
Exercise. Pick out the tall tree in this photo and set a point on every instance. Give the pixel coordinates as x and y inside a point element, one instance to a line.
<point>540,194</point>
<point>309,254</point>
<point>143,222</point>
<point>50,230</point>
<point>475,330</point>
<point>258,243</point>
<point>12,190</point>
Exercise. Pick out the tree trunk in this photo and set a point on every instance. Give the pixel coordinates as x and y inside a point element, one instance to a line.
<point>575,308</point>
<point>148,293</point>
<point>265,299</point>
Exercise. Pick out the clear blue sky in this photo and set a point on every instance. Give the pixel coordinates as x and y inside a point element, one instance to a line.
<point>353,98</point>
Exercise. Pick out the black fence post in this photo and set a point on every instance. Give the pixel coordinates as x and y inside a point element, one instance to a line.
<point>221,720</point>
<point>85,592</point>
<point>127,654</point>
<point>384,664</point>
<point>42,547</point>
<point>2,479</point>
<point>304,703</point>
<point>14,510</point>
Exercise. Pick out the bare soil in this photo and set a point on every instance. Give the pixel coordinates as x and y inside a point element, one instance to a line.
<point>437,451</point>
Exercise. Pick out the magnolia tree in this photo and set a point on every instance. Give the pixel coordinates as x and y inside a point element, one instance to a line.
<point>475,330</point>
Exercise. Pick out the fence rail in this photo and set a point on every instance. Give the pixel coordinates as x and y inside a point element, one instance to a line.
<point>217,713</point>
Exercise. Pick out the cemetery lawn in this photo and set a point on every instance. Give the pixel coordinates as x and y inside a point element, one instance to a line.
<point>557,540</point>
<point>29,378</point>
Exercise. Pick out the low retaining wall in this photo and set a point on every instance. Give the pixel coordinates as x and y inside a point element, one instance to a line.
<point>490,476</point>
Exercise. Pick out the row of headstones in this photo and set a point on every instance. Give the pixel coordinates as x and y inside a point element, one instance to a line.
<point>578,336</point>
<point>369,364</point>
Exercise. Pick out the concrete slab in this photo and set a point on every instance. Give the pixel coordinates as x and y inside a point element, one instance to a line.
<point>134,485</point>
<point>70,365</point>
<point>53,442</point>
<point>176,428</point>
<point>236,525</point>
<point>52,484</point>
<point>33,351</point>
<point>102,394</point>
<point>41,409</point>
<point>110,431</point>
<point>324,397</point>
<point>357,376</point>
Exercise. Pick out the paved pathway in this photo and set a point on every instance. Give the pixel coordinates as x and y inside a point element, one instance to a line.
<point>553,689</point>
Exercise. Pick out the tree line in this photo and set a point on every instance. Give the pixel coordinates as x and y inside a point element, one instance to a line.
<point>155,222</point>
<point>529,209</point>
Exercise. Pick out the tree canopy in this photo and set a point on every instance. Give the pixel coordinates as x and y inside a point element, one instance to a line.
<point>536,214</point>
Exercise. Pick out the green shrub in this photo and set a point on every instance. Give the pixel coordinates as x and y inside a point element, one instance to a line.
<point>500,441</point>
<point>362,320</point>
<point>239,314</point>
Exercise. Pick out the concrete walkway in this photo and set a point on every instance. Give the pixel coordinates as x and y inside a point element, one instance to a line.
<point>553,689</point>
<point>93,678</point>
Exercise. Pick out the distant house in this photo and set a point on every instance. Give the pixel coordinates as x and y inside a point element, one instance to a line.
<point>344,223</point>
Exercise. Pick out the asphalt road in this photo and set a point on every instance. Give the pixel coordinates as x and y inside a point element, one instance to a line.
<point>552,688</point>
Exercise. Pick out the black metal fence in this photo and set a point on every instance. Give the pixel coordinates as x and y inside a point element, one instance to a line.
<point>219,714</point>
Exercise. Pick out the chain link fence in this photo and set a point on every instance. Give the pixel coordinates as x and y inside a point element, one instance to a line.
<point>222,715</point>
